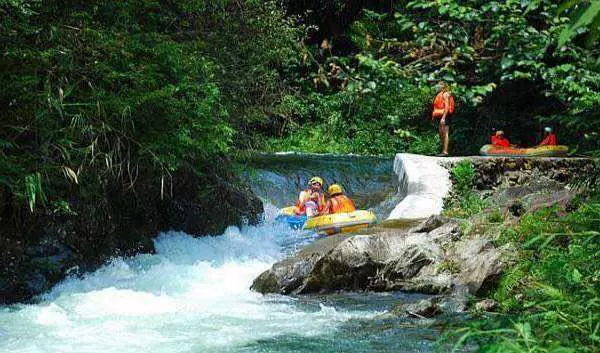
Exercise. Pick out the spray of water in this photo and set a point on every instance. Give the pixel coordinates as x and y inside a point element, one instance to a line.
<point>192,295</point>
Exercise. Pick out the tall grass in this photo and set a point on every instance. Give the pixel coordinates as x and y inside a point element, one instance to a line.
<point>549,299</point>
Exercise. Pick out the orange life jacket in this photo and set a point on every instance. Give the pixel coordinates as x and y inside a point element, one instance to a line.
<point>301,208</point>
<point>340,204</point>
<point>439,105</point>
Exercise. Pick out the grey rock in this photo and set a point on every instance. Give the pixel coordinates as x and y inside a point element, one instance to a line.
<point>288,276</point>
<point>425,308</point>
<point>482,264</point>
<point>456,302</point>
<point>430,224</point>
<point>488,305</point>
<point>392,260</point>
<point>446,233</point>
<point>428,281</point>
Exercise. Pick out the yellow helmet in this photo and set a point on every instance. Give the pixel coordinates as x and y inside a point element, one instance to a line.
<point>335,189</point>
<point>315,179</point>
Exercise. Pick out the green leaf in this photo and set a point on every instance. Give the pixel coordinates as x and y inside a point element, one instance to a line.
<point>566,5</point>
<point>577,276</point>
<point>34,191</point>
<point>583,18</point>
<point>506,62</point>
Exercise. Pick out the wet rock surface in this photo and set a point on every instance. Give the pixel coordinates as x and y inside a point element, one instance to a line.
<point>448,303</point>
<point>438,261</point>
<point>488,305</point>
<point>528,183</point>
<point>425,308</point>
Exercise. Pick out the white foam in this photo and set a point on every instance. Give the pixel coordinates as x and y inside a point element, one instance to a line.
<point>425,182</point>
<point>193,295</point>
<point>52,315</point>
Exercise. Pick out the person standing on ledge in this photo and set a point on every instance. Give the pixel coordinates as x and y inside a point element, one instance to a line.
<point>443,109</point>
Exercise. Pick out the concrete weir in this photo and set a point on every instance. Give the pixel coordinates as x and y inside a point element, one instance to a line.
<point>424,182</point>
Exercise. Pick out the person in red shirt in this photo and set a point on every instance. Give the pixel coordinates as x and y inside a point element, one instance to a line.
<point>500,140</point>
<point>549,137</point>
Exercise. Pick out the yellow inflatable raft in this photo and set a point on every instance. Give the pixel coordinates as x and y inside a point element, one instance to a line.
<point>287,211</point>
<point>336,223</point>
<point>539,151</point>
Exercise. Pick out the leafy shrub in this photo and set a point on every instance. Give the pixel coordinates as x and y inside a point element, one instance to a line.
<point>549,298</point>
<point>257,51</point>
<point>94,90</point>
<point>495,217</point>
<point>463,200</point>
<point>463,176</point>
<point>378,118</point>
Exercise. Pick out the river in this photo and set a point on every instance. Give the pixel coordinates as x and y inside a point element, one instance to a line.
<point>193,294</point>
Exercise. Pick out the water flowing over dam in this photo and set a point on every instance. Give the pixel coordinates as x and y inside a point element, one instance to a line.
<point>369,180</point>
<point>405,187</point>
<point>193,294</point>
<point>424,183</point>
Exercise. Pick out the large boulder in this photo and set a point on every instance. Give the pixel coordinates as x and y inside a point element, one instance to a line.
<point>288,276</point>
<point>431,258</point>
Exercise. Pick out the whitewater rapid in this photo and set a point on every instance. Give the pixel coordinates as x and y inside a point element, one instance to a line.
<point>191,296</point>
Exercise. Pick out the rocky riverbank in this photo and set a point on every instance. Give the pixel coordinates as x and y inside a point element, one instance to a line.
<point>426,181</point>
<point>433,258</point>
<point>39,249</point>
<point>449,258</point>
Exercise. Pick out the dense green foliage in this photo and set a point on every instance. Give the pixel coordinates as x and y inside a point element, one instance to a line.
<point>359,120</point>
<point>256,49</point>
<point>549,299</point>
<point>463,201</point>
<point>502,59</point>
<point>95,91</point>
